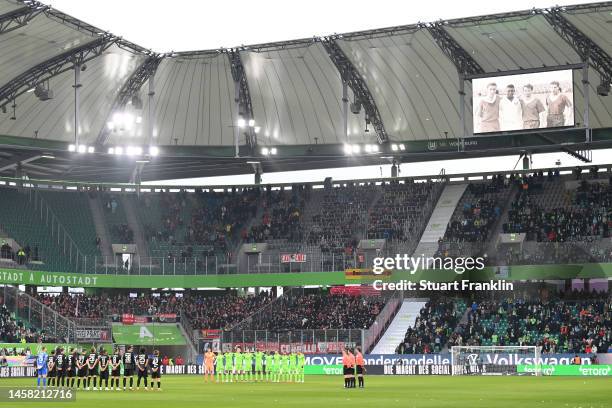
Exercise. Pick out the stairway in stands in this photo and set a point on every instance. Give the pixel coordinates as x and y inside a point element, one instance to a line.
<point>97,214</point>
<point>142,245</point>
<point>440,217</point>
<point>405,318</point>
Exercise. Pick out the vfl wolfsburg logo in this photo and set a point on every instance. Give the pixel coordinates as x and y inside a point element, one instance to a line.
<point>472,359</point>
<point>432,145</point>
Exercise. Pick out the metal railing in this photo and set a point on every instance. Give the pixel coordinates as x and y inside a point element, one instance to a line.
<point>56,185</point>
<point>60,236</point>
<point>376,330</point>
<point>581,250</point>
<point>36,315</point>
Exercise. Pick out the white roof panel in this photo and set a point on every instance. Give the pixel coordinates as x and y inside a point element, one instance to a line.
<point>54,119</point>
<point>297,97</point>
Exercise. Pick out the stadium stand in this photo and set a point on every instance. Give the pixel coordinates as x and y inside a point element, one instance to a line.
<point>558,326</point>
<point>399,211</point>
<point>75,215</point>
<point>116,219</point>
<point>282,216</point>
<point>319,311</point>
<point>212,311</point>
<point>433,327</point>
<point>13,331</point>
<point>21,220</point>
<point>564,219</point>
<point>308,311</point>
<point>342,217</point>
<point>567,322</point>
<point>475,217</point>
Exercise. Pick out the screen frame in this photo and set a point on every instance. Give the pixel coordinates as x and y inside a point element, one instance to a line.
<point>567,67</point>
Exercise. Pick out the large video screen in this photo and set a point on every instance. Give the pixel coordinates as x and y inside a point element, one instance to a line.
<point>523,101</point>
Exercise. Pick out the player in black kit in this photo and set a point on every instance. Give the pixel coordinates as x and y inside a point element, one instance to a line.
<point>129,363</point>
<point>51,368</point>
<point>70,362</point>
<point>104,360</point>
<point>82,372</point>
<point>115,366</point>
<point>142,362</point>
<point>92,368</point>
<point>60,378</point>
<point>155,364</point>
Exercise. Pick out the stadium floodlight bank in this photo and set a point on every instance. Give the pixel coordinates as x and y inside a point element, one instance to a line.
<point>487,360</point>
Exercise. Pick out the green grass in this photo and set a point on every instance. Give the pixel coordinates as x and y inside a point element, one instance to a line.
<point>382,391</point>
<point>161,334</point>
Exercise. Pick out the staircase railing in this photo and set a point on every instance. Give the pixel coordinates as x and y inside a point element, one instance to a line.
<point>58,232</point>
<point>39,316</point>
<point>249,319</point>
<point>371,335</point>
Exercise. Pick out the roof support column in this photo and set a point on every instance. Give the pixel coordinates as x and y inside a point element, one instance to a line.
<point>52,67</point>
<point>461,138</point>
<point>151,121</point>
<point>584,46</point>
<point>345,102</point>
<point>129,90</point>
<point>238,123</point>
<point>19,18</point>
<point>77,86</point>
<point>465,64</point>
<point>242,97</point>
<point>351,76</point>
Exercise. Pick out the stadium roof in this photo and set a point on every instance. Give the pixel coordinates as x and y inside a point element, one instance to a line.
<point>404,77</point>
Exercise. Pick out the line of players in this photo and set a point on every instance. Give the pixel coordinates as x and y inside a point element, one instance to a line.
<point>75,369</point>
<point>255,366</point>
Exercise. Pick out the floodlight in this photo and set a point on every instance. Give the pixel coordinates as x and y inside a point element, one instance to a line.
<point>134,150</point>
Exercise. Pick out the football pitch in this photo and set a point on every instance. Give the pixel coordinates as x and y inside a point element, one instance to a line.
<point>327,391</point>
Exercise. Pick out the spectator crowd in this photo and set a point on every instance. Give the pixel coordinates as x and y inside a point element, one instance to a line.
<point>319,311</point>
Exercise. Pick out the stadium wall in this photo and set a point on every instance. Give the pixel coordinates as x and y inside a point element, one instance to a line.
<point>510,273</point>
